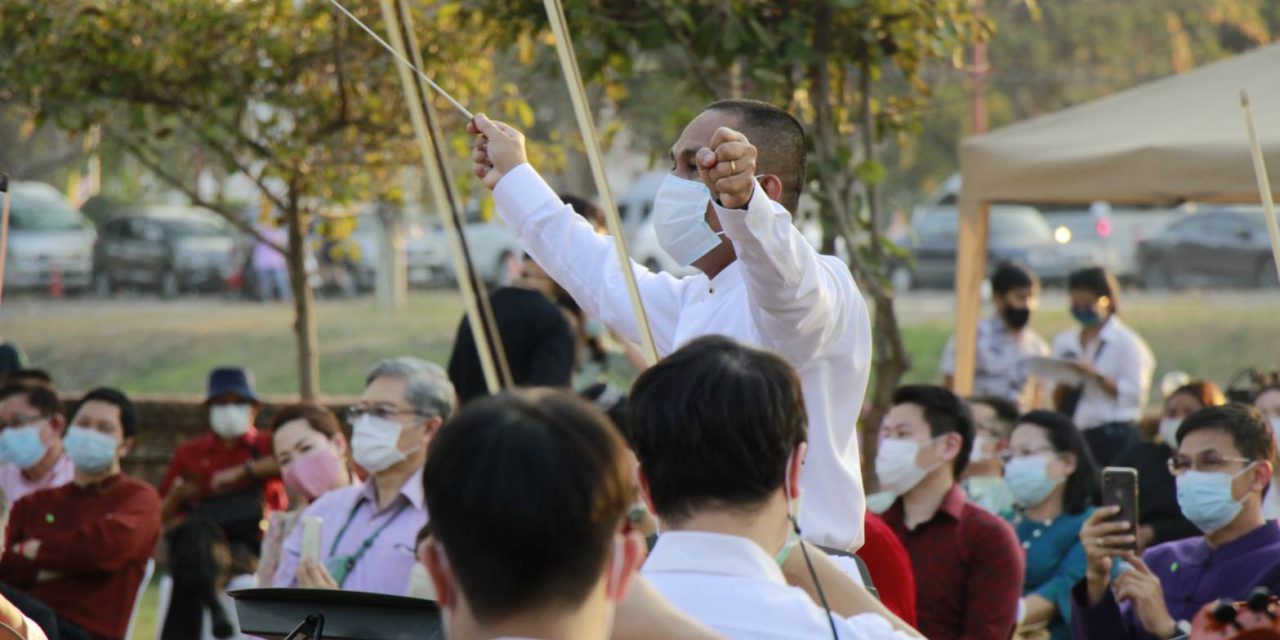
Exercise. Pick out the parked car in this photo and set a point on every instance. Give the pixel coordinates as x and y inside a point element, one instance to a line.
<point>169,249</point>
<point>1217,245</point>
<point>426,249</point>
<point>47,238</point>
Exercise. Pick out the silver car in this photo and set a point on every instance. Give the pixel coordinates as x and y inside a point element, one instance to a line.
<point>47,239</point>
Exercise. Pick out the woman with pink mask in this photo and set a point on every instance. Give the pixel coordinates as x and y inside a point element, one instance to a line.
<point>314,459</point>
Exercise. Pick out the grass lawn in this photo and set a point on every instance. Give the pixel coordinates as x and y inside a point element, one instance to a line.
<point>147,346</point>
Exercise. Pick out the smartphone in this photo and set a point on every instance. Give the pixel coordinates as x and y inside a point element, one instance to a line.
<point>311,538</point>
<point>1120,488</point>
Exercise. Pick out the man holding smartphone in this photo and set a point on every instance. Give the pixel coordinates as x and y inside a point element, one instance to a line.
<point>1224,461</point>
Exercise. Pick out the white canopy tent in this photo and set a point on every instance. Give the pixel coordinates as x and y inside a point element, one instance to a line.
<point>1178,138</point>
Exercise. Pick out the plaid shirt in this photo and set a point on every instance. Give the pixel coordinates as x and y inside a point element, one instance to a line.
<point>1003,367</point>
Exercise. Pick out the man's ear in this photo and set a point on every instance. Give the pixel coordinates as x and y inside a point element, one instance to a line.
<point>126,446</point>
<point>772,185</point>
<point>1261,476</point>
<point>629,552</point>
<point>441,574</point>
<point>794,468</point>
<point>432,426</point>
<point>58,424</point>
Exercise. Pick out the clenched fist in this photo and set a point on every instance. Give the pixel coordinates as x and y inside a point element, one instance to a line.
<point>498,149</point>
<point>728,167</point>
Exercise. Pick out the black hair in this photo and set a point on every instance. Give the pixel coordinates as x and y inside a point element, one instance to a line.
<point>526,491</point>
<point>1245,424</point>
<point>945,412</point>
<point>583,207</point>
<point>29,377</point>
<point>714,425</point>
<point>42,399</point>
<point>128,412</point>
<point>1006,410</point>
<point>779,137</point>
<point>1010,275</point>
<point>1097,281</point>
<point>1082,487</point>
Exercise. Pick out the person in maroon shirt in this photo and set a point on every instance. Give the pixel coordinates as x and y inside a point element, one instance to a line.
<point>968,563</point>
<point>219,486</point>
<point>81,550</point>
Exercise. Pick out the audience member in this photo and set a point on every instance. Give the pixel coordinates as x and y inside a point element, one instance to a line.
<point>312,452</point>
<point>270,269</point>
<point>81,550</point>
<point>31,441</point>
<point>1160,519</point>
<point>529,493</point>
<point>719,430</point>
<point>1005,344</point>
<point>1055,484</point>
<point>1114,362</point>
<point>1268,402</point>
<point>536,337</point>
<point>969,563</point>
<point>890,568</point>
<point>368,532</point>
<point>1223,464</point>
<point>983,478</point>
<point>218,488</point>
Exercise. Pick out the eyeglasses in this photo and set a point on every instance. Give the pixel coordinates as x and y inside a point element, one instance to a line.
<point>22,421</point>
<point>1007,456</point>
<point>382,412</point>
<point>1208,461</point>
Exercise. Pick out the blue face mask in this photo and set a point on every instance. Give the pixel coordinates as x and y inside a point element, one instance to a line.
<point>91,451</point>
<point>22,446</point>
<point>1028,480</point>
<point>1206,500</point>
<point>1087,317</point>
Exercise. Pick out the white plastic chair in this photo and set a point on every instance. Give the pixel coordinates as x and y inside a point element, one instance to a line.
<point>137,599</point>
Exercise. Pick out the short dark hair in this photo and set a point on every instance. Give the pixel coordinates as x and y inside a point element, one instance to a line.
<point>526,490</point>
<point>29,377</point>
<point>713,426</point>
<point>1010,275</point>
<point>1246,425</point>
<point>1006,410</point>
<point>945,412</point>
<point>128,412</point>
<point>583,207</point>
<point>317,417</point>
<point>43,399</point>
<point>1082,487</point>
<point>1099,282</point>
<point>779,138</point>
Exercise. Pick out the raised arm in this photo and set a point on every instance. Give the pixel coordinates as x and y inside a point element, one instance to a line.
<point>565,246</point>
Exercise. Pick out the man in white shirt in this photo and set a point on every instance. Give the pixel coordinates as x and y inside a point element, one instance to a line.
<point>31,430</point>
<point>1114,363</point>
<point>528,494</point>
<point>725,209</point>
<point>719,430</point>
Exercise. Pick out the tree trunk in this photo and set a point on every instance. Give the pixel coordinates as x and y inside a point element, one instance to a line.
<point>304,323</point>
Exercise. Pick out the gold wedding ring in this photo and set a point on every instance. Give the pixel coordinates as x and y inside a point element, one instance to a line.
<point>733,166</point>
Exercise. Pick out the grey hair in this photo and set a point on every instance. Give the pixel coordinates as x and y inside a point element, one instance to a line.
<point>428,390</point>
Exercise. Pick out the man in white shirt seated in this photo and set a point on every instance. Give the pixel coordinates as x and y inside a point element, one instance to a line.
<point>528,494</point>
<point>719,430</point>
<point>726,210</point>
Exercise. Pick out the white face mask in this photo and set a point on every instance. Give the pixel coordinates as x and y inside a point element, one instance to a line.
<point>375,443</point>
<point>1169,431</point>
<point>896,465</point>
<point>230,420</point>
<point>680,220</point>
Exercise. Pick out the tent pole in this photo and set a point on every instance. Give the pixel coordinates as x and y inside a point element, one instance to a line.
<point>1264,184</point>
<point>971,269</point>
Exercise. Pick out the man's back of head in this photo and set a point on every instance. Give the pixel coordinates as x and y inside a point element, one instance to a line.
<point>527,493</point>
<point>715,426</point>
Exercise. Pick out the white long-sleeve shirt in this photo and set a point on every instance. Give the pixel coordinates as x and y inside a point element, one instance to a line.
<point>1124,358</point>
<point>780,294</point>
<point>733,586</point>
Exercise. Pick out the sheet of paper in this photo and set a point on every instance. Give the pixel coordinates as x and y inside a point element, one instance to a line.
<point>1055,370</point>
<point>311,538</point>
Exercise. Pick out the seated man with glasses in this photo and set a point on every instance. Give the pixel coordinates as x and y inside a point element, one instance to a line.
<point>368,532</point>
<point>1222,466</point>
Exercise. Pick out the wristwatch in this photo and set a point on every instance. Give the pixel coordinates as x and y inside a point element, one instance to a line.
<point>1181,630</point>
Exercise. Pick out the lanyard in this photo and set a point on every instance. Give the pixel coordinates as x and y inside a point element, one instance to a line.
<point>368,542</point>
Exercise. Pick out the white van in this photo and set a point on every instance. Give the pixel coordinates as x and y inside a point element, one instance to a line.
<point>47,236</point>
